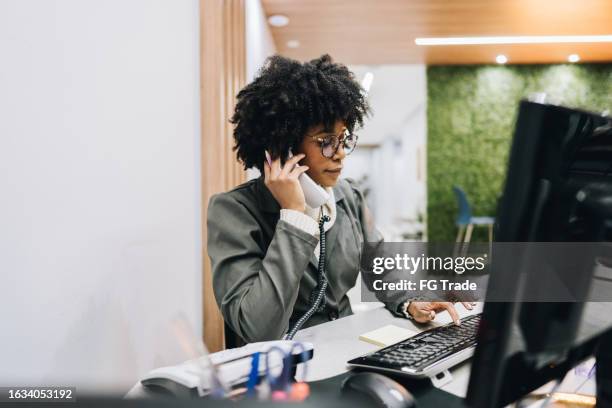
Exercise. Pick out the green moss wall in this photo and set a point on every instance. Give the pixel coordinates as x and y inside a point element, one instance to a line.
<point>470,117</point>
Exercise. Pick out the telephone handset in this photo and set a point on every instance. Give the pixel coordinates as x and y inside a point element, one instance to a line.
<point>314,194</point>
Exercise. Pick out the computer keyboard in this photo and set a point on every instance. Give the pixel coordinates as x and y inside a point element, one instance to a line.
<point>427,353</point>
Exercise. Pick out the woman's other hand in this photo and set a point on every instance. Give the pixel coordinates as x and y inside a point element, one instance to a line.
<point>424,312</point>
<point>283,182</point>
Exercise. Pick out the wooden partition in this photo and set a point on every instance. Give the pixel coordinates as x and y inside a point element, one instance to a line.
<point>222,74</point>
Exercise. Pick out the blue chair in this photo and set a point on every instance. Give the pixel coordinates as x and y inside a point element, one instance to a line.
<point>465,221</point>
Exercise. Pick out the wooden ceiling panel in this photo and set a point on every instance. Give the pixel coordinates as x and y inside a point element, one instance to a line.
<point>383,31</point>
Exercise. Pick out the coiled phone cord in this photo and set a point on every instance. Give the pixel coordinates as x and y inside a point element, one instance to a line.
<point>317,297</point>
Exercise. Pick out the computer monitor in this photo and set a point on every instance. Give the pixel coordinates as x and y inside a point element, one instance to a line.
<point>558,189</point>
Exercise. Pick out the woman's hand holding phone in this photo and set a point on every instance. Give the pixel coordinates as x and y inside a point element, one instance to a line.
<point>283,183</point>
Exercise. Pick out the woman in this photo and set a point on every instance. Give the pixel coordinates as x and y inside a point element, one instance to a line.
<point>263,240</point>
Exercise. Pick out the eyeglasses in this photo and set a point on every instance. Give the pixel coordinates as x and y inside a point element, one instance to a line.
<point>330,143</point>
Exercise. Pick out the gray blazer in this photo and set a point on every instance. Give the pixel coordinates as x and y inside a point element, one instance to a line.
<point>265,269</point>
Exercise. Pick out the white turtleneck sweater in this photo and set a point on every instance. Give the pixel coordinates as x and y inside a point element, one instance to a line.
<point>308,221</point>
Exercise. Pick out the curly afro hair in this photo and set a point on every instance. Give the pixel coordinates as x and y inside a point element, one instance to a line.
<point>287,98</point>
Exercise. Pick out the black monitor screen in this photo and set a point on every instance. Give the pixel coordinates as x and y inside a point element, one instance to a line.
<point>558,189</point>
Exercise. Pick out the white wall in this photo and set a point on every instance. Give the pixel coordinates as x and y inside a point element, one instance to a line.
<point>395,160</point>
<point>99,188</point>
<point>259,42</point>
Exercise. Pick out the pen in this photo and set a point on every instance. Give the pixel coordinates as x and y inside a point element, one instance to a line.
<point>254,374</point>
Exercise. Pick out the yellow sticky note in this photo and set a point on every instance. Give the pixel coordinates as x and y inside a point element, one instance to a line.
<point>387,335</point>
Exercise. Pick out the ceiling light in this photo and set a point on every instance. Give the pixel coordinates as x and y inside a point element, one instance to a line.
<point>573,58</point>
<point>501,59</point>
<point>526,39</point>
<point>293,43</point>
<point>278,20</point>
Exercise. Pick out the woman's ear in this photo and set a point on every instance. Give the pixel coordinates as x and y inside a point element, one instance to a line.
<point>299,148</point>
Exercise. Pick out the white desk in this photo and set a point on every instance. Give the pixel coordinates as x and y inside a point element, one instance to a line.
<point>337,342</point>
